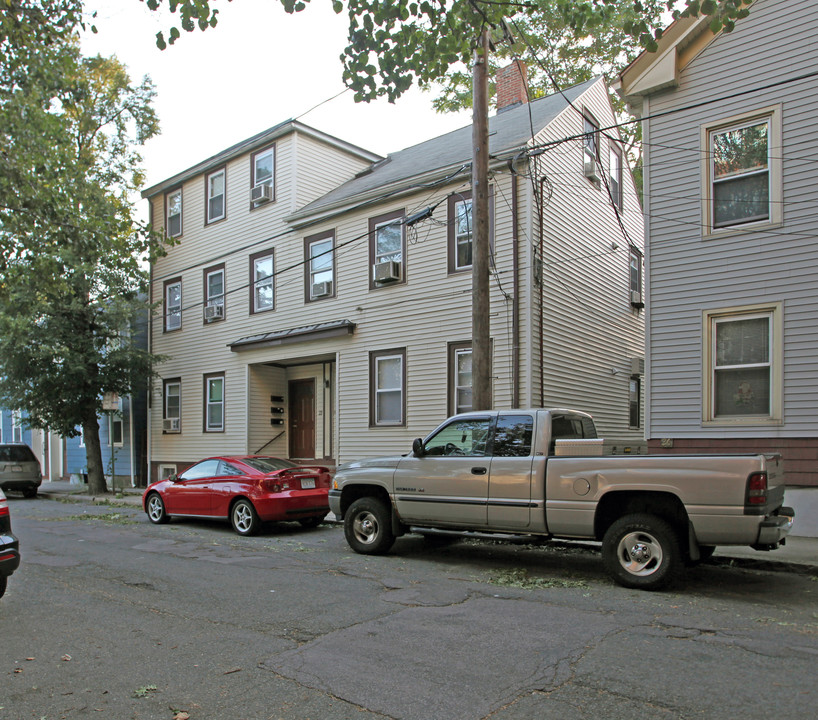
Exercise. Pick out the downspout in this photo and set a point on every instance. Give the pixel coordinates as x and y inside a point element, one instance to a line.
<point>515,310</point>
<point>131,438</point>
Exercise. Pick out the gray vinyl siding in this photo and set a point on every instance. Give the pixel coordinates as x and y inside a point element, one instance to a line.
<point>689,273</point>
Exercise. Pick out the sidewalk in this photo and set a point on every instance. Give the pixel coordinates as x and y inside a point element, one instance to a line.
<point>799,554</point>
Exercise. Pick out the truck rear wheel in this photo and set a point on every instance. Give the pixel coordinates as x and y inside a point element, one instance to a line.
<point>642,551</point>
<point>368,527</point>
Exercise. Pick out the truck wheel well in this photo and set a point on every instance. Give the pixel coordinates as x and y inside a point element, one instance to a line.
<point>664,505</point>
<point>352,492</point>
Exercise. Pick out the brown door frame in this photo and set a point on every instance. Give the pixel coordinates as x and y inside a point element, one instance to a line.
<point>291,416</point>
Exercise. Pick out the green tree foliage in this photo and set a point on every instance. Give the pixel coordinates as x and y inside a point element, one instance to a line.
<point>395,44</point>
<point>72,271</point>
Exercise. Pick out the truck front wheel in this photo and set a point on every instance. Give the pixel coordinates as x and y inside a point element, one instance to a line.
<point>368,527</point>
<point>642,551</point>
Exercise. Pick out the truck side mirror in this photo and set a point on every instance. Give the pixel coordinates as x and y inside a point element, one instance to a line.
<point>417,447</point>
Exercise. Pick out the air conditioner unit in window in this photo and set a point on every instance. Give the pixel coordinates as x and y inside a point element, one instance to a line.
<point>636,299</point>
<point>170,425</point>
<point>386,272</point>
<point>591,169</point>
<point>638,366</point>
<point>261,193</point>
<point>321,289</point>
<point>213,312</point>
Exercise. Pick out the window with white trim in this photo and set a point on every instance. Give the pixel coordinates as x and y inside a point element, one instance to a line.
<point>214,403</point>
<point>387,387</point>
<point>173,223</point>
<point>173,305</point>
<point>16,426</point>
<point>115,430</point>
<point>215,184</point>
<point>262,278</point>
<point>743,364</point>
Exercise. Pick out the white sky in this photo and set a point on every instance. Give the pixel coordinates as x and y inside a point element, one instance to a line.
<point>257,68</point>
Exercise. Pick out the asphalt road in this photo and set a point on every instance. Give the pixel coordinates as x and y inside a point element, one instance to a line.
<point>112,617</point>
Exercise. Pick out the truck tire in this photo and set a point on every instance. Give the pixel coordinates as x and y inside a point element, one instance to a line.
<point>368,527</point>
<point>642,551</point>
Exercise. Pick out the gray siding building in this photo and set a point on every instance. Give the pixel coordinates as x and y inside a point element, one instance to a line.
<point>731,164</point>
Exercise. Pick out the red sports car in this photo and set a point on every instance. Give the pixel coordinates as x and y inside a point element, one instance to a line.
<point>248,489</point>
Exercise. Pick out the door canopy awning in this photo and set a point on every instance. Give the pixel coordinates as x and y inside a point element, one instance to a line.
<point>305,333</point>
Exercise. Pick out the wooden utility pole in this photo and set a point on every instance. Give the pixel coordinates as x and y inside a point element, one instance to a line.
<point>481,337</point>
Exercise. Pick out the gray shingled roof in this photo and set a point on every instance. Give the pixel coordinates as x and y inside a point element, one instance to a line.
<point>508,131</point>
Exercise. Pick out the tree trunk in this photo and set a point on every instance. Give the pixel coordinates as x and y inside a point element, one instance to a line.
<point>93,456</point>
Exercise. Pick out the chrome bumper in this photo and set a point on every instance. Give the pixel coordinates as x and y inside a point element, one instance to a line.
<point>776,527</point>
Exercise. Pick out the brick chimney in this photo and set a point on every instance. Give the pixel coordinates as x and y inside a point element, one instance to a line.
<point>511,86</point>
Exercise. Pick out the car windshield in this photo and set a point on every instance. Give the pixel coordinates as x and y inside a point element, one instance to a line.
<point>16,453</point>
<point>268,464</point>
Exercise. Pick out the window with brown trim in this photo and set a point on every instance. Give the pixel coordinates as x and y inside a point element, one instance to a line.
<point>215,196</point>
<point>173,213</point>
<point>214,402</point>
<point>262,282</point>
<point>173,304</point>
<point>387,387</point>
<point>460,377</point>
<point>387,250</point>
<point>319,266</point>
<point>263,174</point>
<point>214,293</point>
<point>172,405</point>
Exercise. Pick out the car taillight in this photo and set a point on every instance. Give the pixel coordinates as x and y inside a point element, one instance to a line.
<point>276,485</point>
<point>756,489</point>
<point>4,506</point>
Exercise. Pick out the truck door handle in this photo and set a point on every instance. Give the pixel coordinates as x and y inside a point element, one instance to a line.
<point>478,471</point>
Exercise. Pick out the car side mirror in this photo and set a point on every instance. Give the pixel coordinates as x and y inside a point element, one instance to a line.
<point>174,478</point>
<point>417,447</point>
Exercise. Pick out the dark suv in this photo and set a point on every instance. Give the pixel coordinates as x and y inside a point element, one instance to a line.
<point>9,547</point>
<point>19,469</point>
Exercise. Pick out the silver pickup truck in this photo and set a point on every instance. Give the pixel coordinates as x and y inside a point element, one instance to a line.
<point>540,472</point>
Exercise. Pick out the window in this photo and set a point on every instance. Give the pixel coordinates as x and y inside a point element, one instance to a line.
<point>615,174</point>
<point>204,469</point>
<point>634,401</point>
<point>173,223</point>
<point>172,405</point>
<point>214,403</point>
<point>460,232</point>
<point>466,437</point>
<point>173,304</point>
<point>387,247</point>
<point>387,382</point>
<point>635,272</point>
<point>262,282</point>
<point>743,171</point>
<point>215,190</point>
<point>263,168</point>
<point>16,426</point>
<point>460,385</point>
<point>743,364</point>
<point>590,148</point>
<point>115,430</point>
<point>512,437</point>
<point>319,259</point>
<point>214,292</point>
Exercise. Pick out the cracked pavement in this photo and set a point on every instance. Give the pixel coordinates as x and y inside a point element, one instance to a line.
<point>110,616</point>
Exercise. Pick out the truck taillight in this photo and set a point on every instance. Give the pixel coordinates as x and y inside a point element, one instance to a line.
<point>756,489</point>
